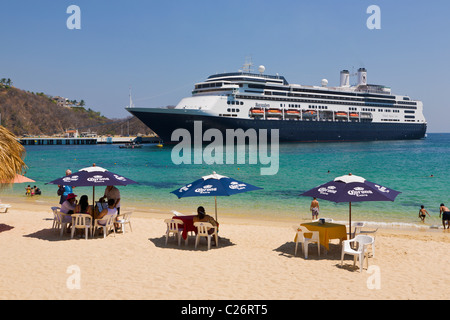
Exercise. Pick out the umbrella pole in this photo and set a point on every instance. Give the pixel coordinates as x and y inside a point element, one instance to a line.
<point>93,200</point>
<point>350,219</point>
<point>215,200</point>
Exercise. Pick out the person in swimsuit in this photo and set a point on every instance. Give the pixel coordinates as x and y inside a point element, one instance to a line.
<point>445,212</point>
<point>314,208</point>
<point>422,212</point>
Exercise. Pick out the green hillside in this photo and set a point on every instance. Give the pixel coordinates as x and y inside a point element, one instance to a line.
<point>24,112</point>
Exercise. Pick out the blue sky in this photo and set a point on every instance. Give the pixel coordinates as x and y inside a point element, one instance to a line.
<point>161,48</point>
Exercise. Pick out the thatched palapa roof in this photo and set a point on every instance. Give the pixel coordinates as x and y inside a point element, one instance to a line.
<point>11,156</point>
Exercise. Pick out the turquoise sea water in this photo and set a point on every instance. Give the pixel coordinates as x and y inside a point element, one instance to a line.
<point>405,166</point>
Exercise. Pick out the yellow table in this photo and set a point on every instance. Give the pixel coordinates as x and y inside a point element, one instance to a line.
<point>327,231</point>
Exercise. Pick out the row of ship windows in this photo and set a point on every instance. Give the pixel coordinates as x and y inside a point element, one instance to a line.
<point>339,98</point>
<point>299,106</point>
<point>384,120</point>
<point>409,103</point>
<point>233,102</point>
<point>321,101</point>
<point>342,95</point>
<point>209,85</point>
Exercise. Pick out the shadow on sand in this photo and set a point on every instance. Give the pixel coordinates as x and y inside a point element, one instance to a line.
<point>333,254</point>
<point>49,235</point>
<point>172,243</point>
<point>287,250</point>
<point>5,227</point>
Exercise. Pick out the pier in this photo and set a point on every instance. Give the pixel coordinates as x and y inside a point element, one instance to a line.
<point>39,141</point>
<point>56,141</point>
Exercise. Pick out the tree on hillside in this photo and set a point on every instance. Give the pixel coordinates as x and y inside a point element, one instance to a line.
<point>6,82</point>
<point>82,104</point>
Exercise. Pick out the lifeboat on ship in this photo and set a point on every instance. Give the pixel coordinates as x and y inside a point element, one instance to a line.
<point>274,113</point>
<point>257,112</point>
<point>292,114</point>
<point>309,114</point>
<point>354,115</point>
<point>340,114</point>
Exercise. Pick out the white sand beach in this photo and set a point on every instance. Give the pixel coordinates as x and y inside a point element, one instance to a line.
<point>255,260</point>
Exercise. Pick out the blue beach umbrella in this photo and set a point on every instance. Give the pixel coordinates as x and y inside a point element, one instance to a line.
<point>351,188</point>
<point>93,176</point>
<point>214,185</point>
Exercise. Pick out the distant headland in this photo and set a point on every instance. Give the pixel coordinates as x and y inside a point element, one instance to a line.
<point>38,114</point>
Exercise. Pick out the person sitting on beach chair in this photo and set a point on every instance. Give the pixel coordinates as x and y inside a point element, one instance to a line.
<point>203,217</point>
<point>110,210</point>
<point>69,205</point>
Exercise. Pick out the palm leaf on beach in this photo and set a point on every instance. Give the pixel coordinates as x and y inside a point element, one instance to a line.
<point>11,156</point>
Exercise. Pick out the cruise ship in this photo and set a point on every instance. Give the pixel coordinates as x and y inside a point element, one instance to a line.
<point>301,113</point>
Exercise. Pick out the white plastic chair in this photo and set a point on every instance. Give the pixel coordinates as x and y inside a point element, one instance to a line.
<point>4,207</point>
<point>174,226</point>
<point>63,221</point>
<point>373,236</point>
<point>301,230</point>
<point>82,221</point>
<point>358,226</point>
<point>56,224</point>
<point>123,219</point>
<point>367,241</point>
<point>178,214</point>
<point>360,252</point>
<point>326,220</point>
<point>202,231</point>
<point>106,223</point>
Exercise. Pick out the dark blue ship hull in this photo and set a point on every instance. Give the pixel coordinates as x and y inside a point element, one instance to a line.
<point>165,123</point>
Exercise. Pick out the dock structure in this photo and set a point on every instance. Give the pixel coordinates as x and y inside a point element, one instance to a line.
<point>56,141</point>
<point>111,140</point>
<point>31,141</point>
<point>121,140</point>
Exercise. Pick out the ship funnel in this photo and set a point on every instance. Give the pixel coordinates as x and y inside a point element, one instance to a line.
<point>345,78</point>
<point>362,76</point>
